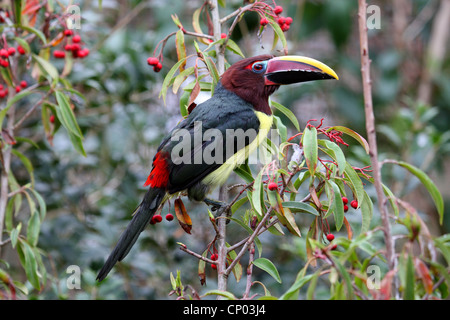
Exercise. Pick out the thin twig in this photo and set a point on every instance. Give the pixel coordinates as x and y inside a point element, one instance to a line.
<point>198,256</point>
<point>371,133</point>
<point>32,109</point>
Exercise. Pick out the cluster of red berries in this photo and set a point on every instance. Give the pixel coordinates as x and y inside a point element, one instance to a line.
<point>157,218</point>
<point>283,22</point>
<point>157,65</point>
<point>8,52</point>
<point>353,204</point>
<point>74,47</point>
<point>4,91</point>
<point>214,257</point>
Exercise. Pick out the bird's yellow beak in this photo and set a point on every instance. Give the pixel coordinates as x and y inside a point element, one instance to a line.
<point>293,69</point>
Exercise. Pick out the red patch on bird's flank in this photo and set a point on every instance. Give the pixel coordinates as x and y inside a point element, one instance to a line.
<point>159,175</point>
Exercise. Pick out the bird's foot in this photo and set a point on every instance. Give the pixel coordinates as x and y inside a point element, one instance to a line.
<point>218,207</point>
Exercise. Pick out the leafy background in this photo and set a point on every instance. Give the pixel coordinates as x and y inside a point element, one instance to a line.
<point>90,199</point>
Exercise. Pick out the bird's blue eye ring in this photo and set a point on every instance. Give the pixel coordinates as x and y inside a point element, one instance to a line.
<point>259,67</point>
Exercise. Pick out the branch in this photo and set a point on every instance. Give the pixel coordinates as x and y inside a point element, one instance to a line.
<point>370,127</point>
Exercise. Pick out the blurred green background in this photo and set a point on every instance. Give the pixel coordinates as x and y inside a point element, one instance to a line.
<point>90,199</point>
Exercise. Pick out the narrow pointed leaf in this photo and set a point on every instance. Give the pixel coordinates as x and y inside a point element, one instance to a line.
<point>269,267</point>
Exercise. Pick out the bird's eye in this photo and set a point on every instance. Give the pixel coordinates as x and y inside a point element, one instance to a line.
<point>259,67</point>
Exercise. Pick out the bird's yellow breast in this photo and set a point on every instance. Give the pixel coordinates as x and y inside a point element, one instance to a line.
<point>220,175</point>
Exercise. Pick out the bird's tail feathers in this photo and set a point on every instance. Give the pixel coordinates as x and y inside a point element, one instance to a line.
<point>141,218</point>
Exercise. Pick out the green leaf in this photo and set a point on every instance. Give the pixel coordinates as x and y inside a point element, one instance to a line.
<point>257,194</point>
<point>181,48</point>
<point>168,78</point>
<point>296,206</point>
<point>18,11</point>
<point>33,229</point>
<point>68,120</point>
<point>310,148</point>
<point>29,262</point>
<point>269,267</point>
<point>428,183</point>
<point>355,183</point>
<point>296,286</point>
<point>225,294</point>
<point>37,32</point>
<point>288,113</point>
<point>14,235</point>
<point>244,172</point>
<point>337,204</point>
<point>232,46</point>
<point>281,128</point>
<point>238,204</point>
<point>6,75</point>
<point>366,212</point>
<point>26,162</point>
<point>336,154</point>
<point>278,32</point>
<point>179,79</point>
<point>212,71</point>
<point>66,115</point>
<point>46,66</point>
<point>42,204</point>
<point>23,43</point>
<point>392,199</point>
<point>237,269</point>
<point>18,96</point>
<point>410,280</point>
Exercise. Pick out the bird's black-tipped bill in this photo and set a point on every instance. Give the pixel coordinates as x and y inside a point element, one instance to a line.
<point>295,69</point>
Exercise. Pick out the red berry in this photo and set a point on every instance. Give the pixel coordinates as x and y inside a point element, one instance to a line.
<point>214,256</point>
<point>152,61</point>
<point>4,53</point>
<point>76,38</point>
<point>58,54</point>
<point>169,217</point>
<point>223,35</point>
<point>23,84</point>
<point>284,27</point>
<point>18,89</point>
<point>68,32</point>
<point>278,9</point>
<point>76,47</point>
<point>330,237</point>
<point>21,50</point>
<point>214,266</point>
<point>52,118</point>
<point>2,93</point>
<point>4,63</point>
<point>83,53</point>
<point>68,47</point>
<point>158,67</point>
<point>11,51</point>
<point>345,208</point>
<point>157,218</point>
<point>264,22</point>
<point>272,186</point>
<point>281,21</point>
<point>354,204</point>
<point>333,247</point>
<point>344,200</point>
<point>288,20</point>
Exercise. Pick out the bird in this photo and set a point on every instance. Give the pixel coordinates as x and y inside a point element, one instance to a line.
<point>240,101</point>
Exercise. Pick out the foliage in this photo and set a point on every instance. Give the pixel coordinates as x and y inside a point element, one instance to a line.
<point>73,181</point>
